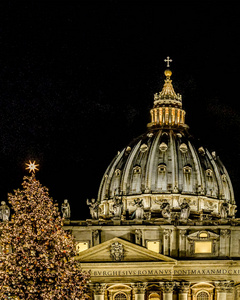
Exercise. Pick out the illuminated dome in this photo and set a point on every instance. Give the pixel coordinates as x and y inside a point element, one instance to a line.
<point>166,164</point>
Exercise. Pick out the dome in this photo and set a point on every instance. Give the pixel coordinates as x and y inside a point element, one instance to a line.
<point>166,165</point>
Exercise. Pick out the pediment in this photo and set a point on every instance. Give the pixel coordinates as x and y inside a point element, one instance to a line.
<point>119,250</point>
<point>203,235</point>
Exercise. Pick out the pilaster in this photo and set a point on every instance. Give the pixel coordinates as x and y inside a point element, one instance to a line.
<point>224,242</point>
<point>182,242</point>
<point>166,241</point>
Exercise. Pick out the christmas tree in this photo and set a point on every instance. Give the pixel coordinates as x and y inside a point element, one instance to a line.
<point>37,255</point>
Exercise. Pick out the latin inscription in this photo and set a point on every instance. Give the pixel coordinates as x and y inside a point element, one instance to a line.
<point>167,272</point>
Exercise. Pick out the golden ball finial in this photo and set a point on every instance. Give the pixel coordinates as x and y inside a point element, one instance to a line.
<point>168,73</point>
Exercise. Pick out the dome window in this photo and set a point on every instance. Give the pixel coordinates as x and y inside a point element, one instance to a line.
<point>163,147</point>
<point>187,170</point>
<point>183,148</point>
<point>143,148</point>
<point>137,170</point>
<point>117,172</point>
<point>209,173</point>
<point>162,168</point>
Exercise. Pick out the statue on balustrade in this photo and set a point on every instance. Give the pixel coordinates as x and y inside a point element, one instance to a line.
<point>4,211</point>
<point>139,212</point>
<point>185,210</point>
<point>65,209</point>
<point>117,207</point>
<point>93,207</point>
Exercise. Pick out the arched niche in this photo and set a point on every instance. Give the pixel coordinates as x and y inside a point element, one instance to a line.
<point>202,291</point>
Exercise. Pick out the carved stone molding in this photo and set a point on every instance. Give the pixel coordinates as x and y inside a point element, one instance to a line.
<point>98,288</point>
<point>139,287</point>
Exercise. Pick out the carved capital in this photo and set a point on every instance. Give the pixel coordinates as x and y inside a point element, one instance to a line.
<point>184,287</point>
<point>224,286</point>
<point>167,233</point>
<point>95,234</point>
<point>168,287</point>
<point>183,233</point>
<point>139,287</point>
<point>98,288</point>
<point>225,232</point>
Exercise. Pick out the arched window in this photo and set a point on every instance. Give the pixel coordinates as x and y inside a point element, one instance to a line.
<point>203,296</point>
<point>154,296</point>
<point>120,296</point>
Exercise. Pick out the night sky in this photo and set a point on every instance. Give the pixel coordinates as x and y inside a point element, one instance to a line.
<point>77,81</point>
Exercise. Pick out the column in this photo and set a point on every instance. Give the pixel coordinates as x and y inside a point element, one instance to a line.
<point>183,291</point>
<point>139,290</point>
<point>99,290</point>
<point>224,290</point>
<point>168,290</point>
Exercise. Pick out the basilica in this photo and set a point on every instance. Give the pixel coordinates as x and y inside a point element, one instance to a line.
<point>163,225</point>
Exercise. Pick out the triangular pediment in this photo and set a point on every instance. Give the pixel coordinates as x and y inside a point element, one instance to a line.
<point>119,250</point>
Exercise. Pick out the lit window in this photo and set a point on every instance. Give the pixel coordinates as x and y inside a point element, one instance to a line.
<point>153,246</point>
<point>202,296</point>
<point>82,246</point>
<point>203,247</point>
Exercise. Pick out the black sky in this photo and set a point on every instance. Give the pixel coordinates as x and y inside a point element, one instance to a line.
<point>77,81</point>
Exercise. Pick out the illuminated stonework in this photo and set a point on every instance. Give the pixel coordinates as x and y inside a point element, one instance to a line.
<point>165,226</point>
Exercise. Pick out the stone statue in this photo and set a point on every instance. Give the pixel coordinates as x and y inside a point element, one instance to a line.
<point>65,209</point>
<point>224,210</point>
<point>93,207</point>
<point>117,207</point>
<point>139,212</point>
<point>4,211</point>
<point>185,210</point>
<point>165,209</point>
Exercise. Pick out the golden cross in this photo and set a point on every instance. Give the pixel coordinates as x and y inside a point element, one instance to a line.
<point>168,60</point>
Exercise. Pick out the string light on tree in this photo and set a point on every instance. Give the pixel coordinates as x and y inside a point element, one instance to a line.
<point>37,254</point>
<point>32,167</point>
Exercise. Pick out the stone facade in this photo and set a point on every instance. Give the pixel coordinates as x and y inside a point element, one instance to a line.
<point>163,226</point>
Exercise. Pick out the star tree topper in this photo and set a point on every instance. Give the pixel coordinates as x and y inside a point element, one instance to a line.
<point>32,167</point>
